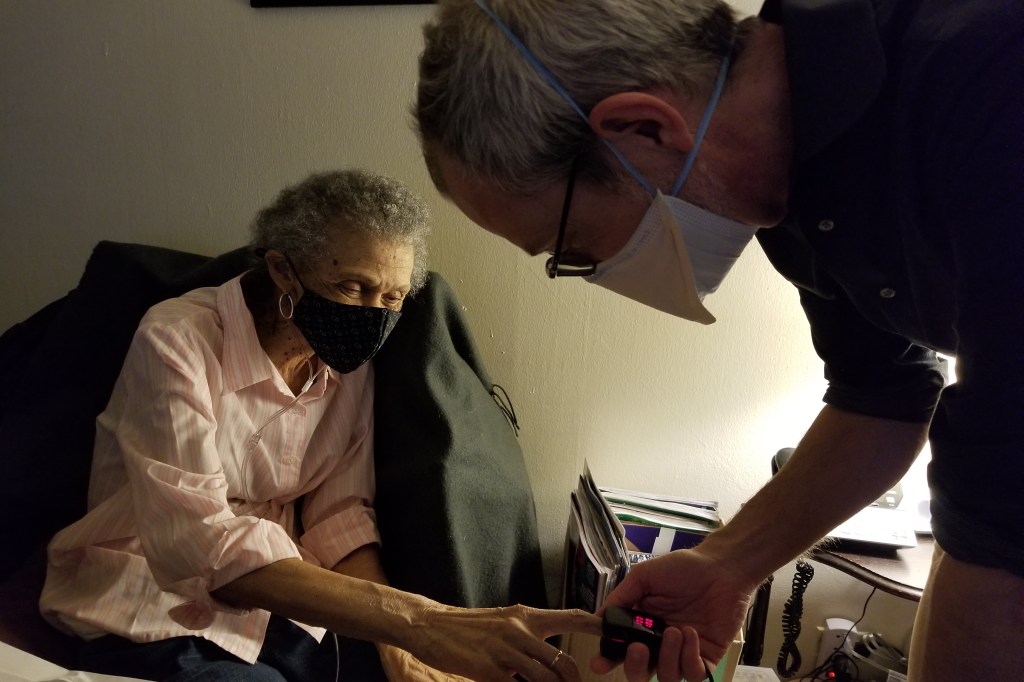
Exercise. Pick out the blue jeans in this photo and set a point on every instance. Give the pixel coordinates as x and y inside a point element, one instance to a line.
<point>289,654</point>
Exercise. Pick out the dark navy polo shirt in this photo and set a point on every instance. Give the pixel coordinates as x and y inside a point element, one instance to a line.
<point>905,236</point>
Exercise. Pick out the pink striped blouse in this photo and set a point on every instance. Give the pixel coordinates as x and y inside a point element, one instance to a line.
<point>201,459</point>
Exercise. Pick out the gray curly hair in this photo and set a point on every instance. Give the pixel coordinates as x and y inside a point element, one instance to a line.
<point>300,221</point>
<point>481,103</point>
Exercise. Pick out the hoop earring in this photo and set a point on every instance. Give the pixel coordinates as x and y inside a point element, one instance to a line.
<point>291,306</point>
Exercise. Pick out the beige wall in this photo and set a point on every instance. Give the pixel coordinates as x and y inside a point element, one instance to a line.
<point>170,123</point>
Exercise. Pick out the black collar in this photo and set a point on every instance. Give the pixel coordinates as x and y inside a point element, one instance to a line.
<point>836,65</point>
<point>771,11</point>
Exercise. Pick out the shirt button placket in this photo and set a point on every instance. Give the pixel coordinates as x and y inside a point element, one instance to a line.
<point>290,460</point>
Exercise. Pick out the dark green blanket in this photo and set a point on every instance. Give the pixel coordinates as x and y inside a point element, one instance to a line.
<point>454,504</point>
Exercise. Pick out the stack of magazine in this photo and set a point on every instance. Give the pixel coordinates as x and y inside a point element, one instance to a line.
<point>611,529</point>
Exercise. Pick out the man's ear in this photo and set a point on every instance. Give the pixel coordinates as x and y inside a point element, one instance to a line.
<point>641,121</point>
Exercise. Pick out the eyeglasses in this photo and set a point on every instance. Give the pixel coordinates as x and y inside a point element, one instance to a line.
<point>566,264</point>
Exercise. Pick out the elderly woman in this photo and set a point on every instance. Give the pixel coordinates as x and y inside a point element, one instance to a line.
<point>230,523</point>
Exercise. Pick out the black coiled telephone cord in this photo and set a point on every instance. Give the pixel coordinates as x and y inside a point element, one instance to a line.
<point>789,656</point>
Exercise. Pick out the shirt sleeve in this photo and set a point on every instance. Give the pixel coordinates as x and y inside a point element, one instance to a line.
<point>193,542</point>
<point>869,370</point>
<point>338,516</point>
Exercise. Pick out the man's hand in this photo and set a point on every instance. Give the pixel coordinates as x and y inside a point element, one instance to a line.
<point>703,593</point>
<point>693,592</point>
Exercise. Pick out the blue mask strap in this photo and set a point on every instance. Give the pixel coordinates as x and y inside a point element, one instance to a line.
<point>553,82</point>
<point>564,94</point>
<point>702,127</point>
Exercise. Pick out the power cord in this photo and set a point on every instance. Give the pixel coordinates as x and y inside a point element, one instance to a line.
<point>793,610</point>
<point>504,402</point>
<point>337,658</point>
<point>839,666</point>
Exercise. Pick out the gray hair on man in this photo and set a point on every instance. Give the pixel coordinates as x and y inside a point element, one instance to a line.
<point>299,222</point>
<point>481,103</point>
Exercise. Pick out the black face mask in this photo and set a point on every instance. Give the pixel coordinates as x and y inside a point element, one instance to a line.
<point>344,336</point>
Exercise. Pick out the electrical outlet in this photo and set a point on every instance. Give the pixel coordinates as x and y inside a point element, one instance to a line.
<point>833,635</point>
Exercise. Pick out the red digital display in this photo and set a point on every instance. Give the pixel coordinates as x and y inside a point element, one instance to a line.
<point>643,621</point>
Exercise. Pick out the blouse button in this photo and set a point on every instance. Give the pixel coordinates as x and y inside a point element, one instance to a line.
<point>826,225</point>
<point>887,292</point>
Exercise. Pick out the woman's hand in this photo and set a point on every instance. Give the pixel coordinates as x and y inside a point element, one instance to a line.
<point>704,602</point>
<point>492,644</point>
<point>401,666</point>
<point>479,644</point>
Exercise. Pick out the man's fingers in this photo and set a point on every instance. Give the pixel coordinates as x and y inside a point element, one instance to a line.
<point>637,665</point>
<point>669,659</point>
<point>693,664</point>
<point>628,592</point>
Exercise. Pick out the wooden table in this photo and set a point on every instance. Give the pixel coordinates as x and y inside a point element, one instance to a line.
<point>901,572</point>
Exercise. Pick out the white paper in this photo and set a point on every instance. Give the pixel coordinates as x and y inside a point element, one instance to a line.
<point>19,666</point>
<point>747,673</point>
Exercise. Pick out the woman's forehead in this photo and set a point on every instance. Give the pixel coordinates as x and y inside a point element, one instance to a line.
<point>354,253</point>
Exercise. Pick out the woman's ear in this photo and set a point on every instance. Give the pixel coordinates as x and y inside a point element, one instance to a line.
<point>641,121</point>
<point>280,270</point>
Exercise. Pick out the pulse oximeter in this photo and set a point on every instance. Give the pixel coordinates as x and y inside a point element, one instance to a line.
<point>621,627</point>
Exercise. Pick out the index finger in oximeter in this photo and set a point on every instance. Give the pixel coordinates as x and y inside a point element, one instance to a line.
<point>620,627</point>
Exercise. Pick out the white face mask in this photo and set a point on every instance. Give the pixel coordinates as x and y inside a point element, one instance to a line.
<point>678,254</point>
